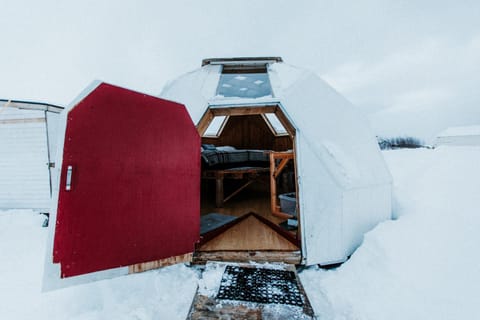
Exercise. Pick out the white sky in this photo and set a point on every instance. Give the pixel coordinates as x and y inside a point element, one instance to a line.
<point>413,66</point>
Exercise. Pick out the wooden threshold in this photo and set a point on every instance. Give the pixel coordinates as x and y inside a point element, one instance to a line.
<point>145,266</point>
<point>288,257</point>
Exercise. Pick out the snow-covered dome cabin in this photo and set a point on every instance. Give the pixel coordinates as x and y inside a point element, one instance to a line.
<point>320,151</point>
<point>275,166</point>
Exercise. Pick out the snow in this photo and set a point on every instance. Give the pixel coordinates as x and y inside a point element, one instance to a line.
<point>160,294</point>
<point>422,265</point>
<point>211,278</point>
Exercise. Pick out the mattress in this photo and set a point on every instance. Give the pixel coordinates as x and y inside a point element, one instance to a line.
<point>231,157</point>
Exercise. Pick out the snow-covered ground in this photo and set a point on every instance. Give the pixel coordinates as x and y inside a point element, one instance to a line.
<point>423,265</point>
<point>160,294</point>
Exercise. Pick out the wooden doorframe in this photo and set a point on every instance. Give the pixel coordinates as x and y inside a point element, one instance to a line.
<point>245,110</point>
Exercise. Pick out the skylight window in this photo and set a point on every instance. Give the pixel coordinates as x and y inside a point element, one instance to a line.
<point>244,82</point>
<point>275,125</point>
<point>216,126</point>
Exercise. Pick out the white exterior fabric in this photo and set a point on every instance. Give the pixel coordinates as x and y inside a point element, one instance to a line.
<point>194,90</point>
<point>24,172</point>
<point>344,184</point>
<point>362,209</point>
<point>339,141</point>
<point>320,212</point>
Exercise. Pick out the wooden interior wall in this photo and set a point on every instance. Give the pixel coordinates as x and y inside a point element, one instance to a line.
<point>250,132</point>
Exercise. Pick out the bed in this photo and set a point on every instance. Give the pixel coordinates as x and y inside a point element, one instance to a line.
<point>227,162</point>
<point>225,157</point>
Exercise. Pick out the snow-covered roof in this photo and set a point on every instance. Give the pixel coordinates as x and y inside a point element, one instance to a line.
<point>461,131</point>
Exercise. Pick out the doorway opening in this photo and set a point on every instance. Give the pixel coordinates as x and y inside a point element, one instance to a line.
<point>248,185</point>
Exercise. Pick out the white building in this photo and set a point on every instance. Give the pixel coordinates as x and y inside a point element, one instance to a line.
<point>26,131</point>
<point>459,136</point>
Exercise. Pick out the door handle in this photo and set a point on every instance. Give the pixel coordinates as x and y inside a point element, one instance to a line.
<point>68,185</point>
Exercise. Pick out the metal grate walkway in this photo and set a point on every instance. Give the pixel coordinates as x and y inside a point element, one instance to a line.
<point>260,285</point>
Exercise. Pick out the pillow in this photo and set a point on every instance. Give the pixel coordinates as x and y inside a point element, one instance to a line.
<point>226,148</point>
<point>208,146</point>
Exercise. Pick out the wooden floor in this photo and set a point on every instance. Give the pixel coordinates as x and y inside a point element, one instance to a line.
<point>255,198</point>
<point>250,239</point>
<point>249,234</point>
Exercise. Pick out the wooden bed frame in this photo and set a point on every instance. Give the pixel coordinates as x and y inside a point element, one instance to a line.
<point>250,174</point>
<point>275,171</point>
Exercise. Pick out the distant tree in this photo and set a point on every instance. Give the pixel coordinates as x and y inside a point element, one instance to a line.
<point>400,143</point>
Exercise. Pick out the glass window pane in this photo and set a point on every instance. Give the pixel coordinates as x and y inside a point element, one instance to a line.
<point>215,126</point>
<point>275,123</point>
<point>244,85</point>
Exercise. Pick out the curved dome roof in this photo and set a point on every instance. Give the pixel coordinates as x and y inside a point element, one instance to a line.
<point>336,131</point>
<point>344,184</point>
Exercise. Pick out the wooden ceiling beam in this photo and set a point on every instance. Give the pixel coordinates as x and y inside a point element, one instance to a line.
<point>243,111</point>
<point>285,122</point>
<point>205,122</point>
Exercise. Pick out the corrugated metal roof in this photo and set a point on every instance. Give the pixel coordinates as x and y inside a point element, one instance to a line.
<point>30,105</point>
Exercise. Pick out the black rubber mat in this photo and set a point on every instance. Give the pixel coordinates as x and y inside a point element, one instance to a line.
<point>260,285</point>
<point>213,221</point>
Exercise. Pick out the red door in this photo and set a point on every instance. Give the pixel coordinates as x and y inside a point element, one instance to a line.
<point>130,182</point>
